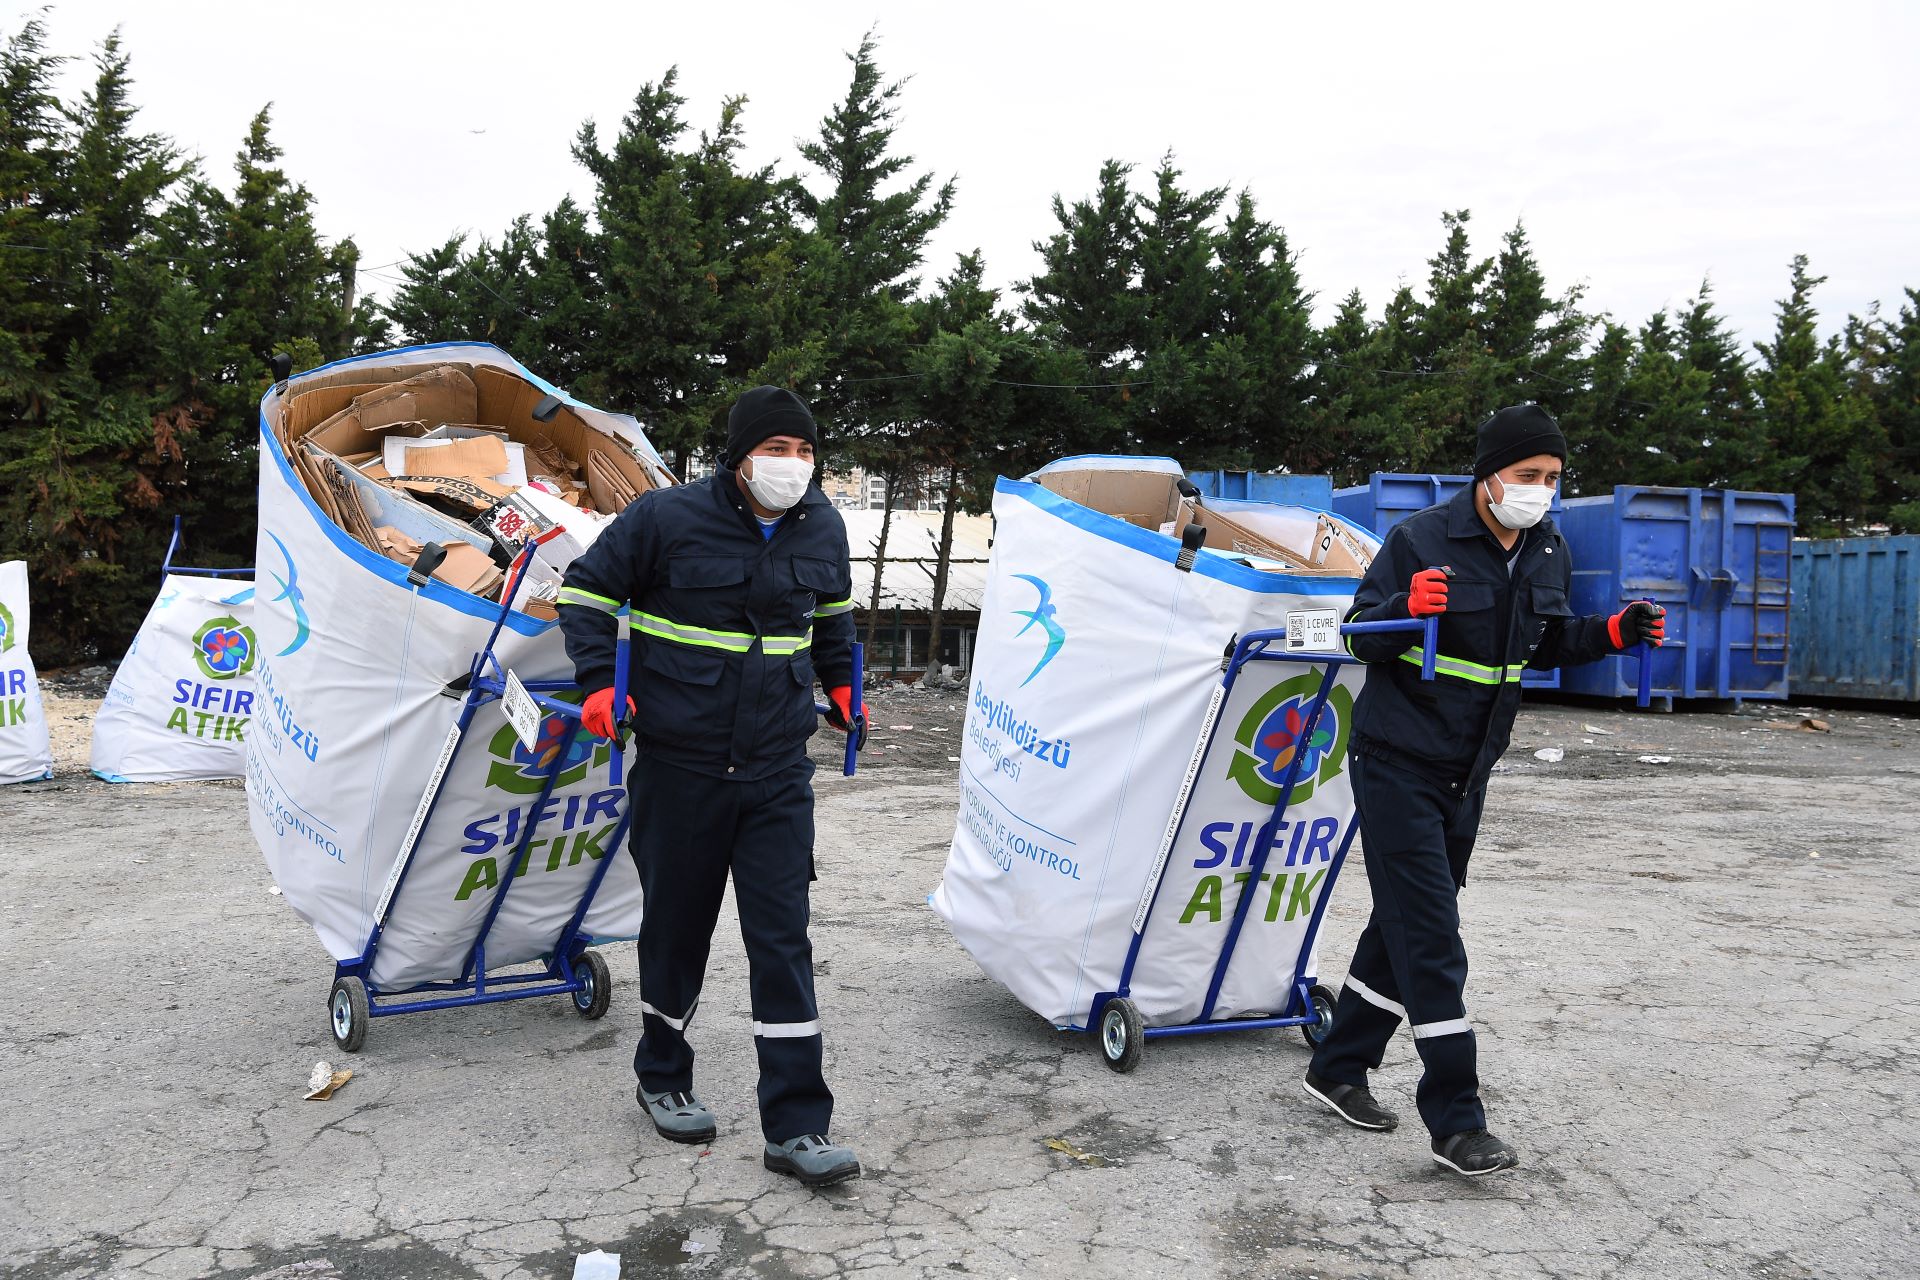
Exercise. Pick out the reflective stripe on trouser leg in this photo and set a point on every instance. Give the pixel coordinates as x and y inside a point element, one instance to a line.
<point>683,824</point>
<point>1434,1030</point>
<point>678,1024</point>
<point>787,1030</point>
<point>1374,998</point>
<point>773,861</point>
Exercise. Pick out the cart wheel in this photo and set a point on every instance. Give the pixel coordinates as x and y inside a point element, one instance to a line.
<point>1320,1001</point>
<point>596,989</point>
<point>349,1013</point>
<point>1123,1035</point>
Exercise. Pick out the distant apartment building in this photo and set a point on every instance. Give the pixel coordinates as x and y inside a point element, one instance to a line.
<point>855,490</point>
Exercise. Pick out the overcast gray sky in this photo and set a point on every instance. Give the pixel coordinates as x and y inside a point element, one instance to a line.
<point>1644,145</point>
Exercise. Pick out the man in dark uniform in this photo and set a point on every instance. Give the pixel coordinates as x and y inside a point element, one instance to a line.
<point>740,592</point>
<point>1490,564</point>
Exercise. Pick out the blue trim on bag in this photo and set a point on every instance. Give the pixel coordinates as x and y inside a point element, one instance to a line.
<point>1164,547</point>
<point>392,570</point>
<point>110,777</point>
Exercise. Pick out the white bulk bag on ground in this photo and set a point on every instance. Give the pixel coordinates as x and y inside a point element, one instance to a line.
<point>181,701</point>
<point>1098,663</point>
<point>355,708</point>
<point>25,754</point>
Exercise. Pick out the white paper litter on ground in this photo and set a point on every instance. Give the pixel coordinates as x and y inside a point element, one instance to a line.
<point>596,1266</point>
<point>1552,755</point>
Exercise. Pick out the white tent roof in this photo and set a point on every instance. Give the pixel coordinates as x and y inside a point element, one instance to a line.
<point>913,550</point>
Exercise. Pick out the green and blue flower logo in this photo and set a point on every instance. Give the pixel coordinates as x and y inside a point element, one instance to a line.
<point>1274,734</point>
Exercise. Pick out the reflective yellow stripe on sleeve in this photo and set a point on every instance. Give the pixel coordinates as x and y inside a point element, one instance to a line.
<point>586,600</point>
<point>652,624</point>
<point>1461,669</point>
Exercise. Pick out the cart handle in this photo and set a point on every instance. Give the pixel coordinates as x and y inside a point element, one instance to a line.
<point>167,565</point>
<point>1253,645</point>
<point>859,702</point>
<point>1645,653</point>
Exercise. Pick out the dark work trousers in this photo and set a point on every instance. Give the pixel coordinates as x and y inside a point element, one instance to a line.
<point>689,829</point>
<point>1410,963</point>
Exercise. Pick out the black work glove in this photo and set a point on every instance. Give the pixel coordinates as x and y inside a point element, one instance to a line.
<point>1638,623</point>
<point>838,702</point>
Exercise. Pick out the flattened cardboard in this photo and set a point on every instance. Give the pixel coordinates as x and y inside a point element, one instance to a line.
<point>477,458</point>
<point>473,495</point>
<point>467,567</point>
<point>1151,500</point>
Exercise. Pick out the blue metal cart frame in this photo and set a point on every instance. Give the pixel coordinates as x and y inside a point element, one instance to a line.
<point>1114,1018</point>
<point>572,969</point>
<point>167,565</point>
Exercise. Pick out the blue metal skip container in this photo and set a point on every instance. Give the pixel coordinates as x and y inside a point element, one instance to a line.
<point>1389,497</point>
<point>1266,486</point>
<point>1718,560</point>
<point>1856,618</point>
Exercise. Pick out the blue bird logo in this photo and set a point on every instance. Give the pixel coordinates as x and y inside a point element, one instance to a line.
<point>290,592</point>
<point>1044,615</point>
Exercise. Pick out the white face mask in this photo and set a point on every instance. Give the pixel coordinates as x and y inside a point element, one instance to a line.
<point>1523,506</point>
<point>778,483</point>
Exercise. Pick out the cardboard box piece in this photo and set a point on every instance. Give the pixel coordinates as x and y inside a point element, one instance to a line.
<point>465,438</point>
<point>1152,500</point>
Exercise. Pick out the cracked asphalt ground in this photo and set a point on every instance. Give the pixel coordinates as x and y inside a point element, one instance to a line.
<point>1698,1033</point>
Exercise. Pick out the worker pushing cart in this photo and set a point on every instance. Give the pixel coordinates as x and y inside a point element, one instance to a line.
<point>740,591</point>
<point>1490,567</point>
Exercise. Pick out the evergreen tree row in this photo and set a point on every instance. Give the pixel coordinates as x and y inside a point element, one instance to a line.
<point>140,299</point>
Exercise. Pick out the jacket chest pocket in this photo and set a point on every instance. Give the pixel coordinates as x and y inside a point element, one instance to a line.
<point>1468,629</point>
<point>697,572</point>
<point>1546,605</point>
<point>814,583</point>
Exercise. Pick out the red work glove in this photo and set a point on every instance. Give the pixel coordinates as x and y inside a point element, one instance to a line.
<point>1638,621</point>
<point>840,714</point>
<point>596,713</point>
<point>1428,593</point>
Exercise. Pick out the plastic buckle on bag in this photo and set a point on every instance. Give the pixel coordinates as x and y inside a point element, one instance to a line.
<point>1192,538</point>
<point>429,559</point>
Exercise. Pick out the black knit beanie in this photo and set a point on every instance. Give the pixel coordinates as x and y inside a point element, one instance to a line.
<point>1519,431</point>
<point>762,413</point>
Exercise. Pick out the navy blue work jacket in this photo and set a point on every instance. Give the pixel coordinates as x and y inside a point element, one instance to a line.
<point>729,626</point>
<point>1498,623</point>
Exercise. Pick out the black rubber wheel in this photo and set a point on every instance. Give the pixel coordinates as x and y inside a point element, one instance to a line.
<point>596,990</point>
<point>1319,1000</point>
<point>1123,1035</point>
<point>348,1013</point>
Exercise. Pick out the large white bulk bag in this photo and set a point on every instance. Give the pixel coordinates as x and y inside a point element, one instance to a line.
<point>182,699</point>
<point>360,676</point>
<point>25,753</point>
<point>1098,669</point>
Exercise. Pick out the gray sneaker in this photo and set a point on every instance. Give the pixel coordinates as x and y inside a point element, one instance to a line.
<point>1474,1153</point>
<point>678,1115</point>
<point>813,1160</point>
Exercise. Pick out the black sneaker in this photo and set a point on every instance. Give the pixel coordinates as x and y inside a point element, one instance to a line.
<point>1351,1102</point>
<point>1474,1153</point>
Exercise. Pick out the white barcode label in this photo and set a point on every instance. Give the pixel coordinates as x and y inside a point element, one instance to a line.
<point>522,712</point>
<point>1313,630</point>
